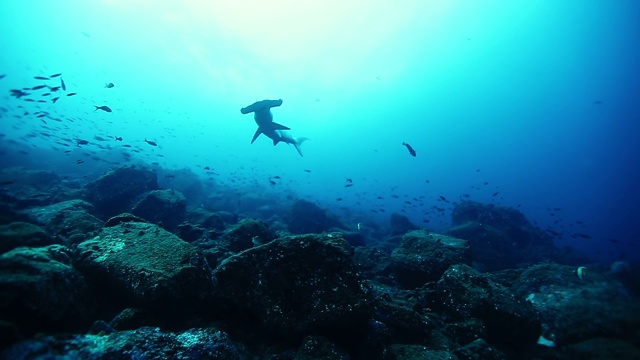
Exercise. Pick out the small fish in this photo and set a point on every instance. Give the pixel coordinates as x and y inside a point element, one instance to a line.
<point>67,151</point>
<point>411,151</point>
<point>272,182</point>
<point>2,76</point>
<point>46,94</point>
<point>38,87</point>
<point>79,161</point>
<point>55,75</point>
<point>349,180</point>
<point>109,85</point>
<point>152,143</point>
<point>307,170</point>
<point>443,198</point>
<point>276,177</point>
<point>41,78</point>
<point>581,272</point>
<point>348,185</point>
<point>103,108</point>
<point>82,142</point>
<point>64,87</point>
<point>207,168</point>
<point>54,88</point>
<point>495,193</point>
<point>71,94</point>
<point>54,99</point>
<point>118,138</point>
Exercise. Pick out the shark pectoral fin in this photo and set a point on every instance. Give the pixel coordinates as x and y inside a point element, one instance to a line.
<point>257,133</point>
<point>277,126</point>
<point>275,142</point>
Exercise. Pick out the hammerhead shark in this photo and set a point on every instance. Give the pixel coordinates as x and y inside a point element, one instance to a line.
<point>274,131</point>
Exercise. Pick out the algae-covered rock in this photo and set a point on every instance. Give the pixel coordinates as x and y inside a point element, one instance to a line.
<point>20,233</point>
<point>423,257</point>
<point>166,207</point>
<point>146,265</point>
<point>114,192</point>
<point>40,291</point>
<point>143,343</point>
<point>70,219</point>
<point>296,285</point>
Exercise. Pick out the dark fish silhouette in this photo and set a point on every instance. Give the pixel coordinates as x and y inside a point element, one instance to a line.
<point>71,94</point>
<point>54,99</point>
<point>103,108</point>
<point>54,88</point>
<point>38,87</point>
<point>109,85</point>
<point>152,143</point>
<point>41,78</point>
<point>2,76</point>
<point>82,142</point>
<point>64,87</point>
<point>55,75</point>
<point>411,151</point>
<point>118,138</point>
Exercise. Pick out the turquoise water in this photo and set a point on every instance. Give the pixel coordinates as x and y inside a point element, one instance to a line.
<point>537,99</point>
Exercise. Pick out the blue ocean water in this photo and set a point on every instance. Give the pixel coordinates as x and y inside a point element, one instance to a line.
<point>532,105</point>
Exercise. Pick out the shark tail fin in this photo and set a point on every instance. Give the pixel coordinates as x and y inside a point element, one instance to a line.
<point>299,142</point>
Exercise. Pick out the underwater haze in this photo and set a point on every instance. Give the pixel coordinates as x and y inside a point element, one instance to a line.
<point>526,104</point>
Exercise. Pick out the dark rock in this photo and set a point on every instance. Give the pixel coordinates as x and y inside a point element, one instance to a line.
<point>500,238</point>
<point>463,293</point>
<point>18,234</point>
<point>603,348</point>
<point>70,219</point>
<point>318,347</point>
<point>423,257</point>
<point>307,218</point>
<point>573,309</point>
<point>114,192</point>
<point>26,188</point>
<point>189,232</point>
<point>480,349</point>
<point>411,352</point>
<point>400,224</point>
<point>40,291</point>
<point>166,207</point>
<point>248,233</point>
<point>208,220</point>
<point>143,343</point>
<point>403,316</point>
<point>296,285</point>
<point>145,265</point>
<point>123,218</point>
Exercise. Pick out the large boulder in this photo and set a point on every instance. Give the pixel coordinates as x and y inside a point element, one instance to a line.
<point>307,217</point>
<point>507,322</point>
<point>422,257</point>
<point>296,285</point>
<point>143,343</point>
<point>40,291</point>
<point>26,188</point>
<point>400,224</point>
<point>70,219</point>
<point>144,265</point>
<point>18,233</point>
<point>115,191</point>
<point>166,207</point>
<point>574,310</point>
<point>500,238</point>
